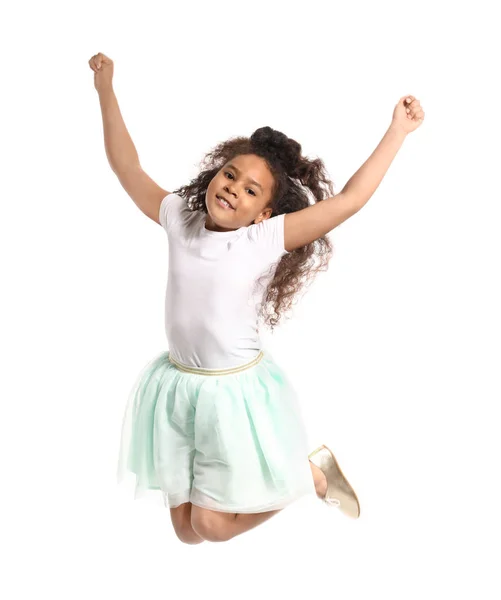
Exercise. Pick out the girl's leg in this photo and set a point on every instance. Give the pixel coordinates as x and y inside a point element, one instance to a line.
<point>217,526</point>
<point>181,521</point>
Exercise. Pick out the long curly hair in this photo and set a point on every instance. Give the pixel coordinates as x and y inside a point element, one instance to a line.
<point>293,176</point>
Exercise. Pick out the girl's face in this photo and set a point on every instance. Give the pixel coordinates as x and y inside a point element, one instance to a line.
<point>246,183</point>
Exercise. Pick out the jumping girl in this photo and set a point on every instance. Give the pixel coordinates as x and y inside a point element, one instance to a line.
<point>214,423</point>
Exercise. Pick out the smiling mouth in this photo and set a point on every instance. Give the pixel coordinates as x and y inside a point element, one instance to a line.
<point>224,202</point>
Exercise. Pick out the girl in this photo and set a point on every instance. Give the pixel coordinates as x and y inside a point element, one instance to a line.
<point>214,423</point>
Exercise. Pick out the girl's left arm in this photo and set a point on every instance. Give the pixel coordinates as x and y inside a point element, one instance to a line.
<point>307,225</point>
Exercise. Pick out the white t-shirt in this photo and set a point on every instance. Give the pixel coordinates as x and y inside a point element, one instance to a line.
<point>211,299</point>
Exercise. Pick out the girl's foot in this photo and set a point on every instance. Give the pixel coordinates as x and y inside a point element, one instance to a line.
<point>320,480</point>
<point>332,486</point>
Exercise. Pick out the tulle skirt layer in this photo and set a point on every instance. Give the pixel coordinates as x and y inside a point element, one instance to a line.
<point>232,442</point>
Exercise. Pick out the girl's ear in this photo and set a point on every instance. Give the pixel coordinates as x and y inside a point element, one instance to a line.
<point>265,214</point>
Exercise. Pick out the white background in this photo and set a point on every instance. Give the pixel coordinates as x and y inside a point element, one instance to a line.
<point>394,350</point>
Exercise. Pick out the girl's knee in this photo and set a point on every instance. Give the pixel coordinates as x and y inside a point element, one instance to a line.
<point>188,536</point>
<point>208,526</point>
<point>180,517</point>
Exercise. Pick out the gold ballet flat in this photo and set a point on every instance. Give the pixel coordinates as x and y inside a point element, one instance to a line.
<point>339,491</point>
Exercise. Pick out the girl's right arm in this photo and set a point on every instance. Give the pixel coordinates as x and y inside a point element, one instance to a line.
<point>120,149</point>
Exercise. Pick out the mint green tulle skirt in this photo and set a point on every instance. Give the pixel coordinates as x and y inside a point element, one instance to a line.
<point>228,440</point>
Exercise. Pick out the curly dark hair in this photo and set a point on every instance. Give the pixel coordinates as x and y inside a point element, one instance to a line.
<point>292,173</point>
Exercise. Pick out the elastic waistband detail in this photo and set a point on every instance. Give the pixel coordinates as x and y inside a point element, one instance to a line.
<point>230,371</point>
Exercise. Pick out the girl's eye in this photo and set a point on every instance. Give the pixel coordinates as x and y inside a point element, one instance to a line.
<point>228,173</point>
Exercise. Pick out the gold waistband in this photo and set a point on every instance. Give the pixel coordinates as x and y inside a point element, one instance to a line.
<point>230,371</point>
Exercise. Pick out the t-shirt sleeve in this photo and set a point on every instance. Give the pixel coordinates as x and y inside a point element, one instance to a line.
<point>170,210</point>
<point>269,236</point>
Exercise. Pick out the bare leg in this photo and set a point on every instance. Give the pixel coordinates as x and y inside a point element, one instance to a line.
<point>181,521</point>
<point>216,526</point>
